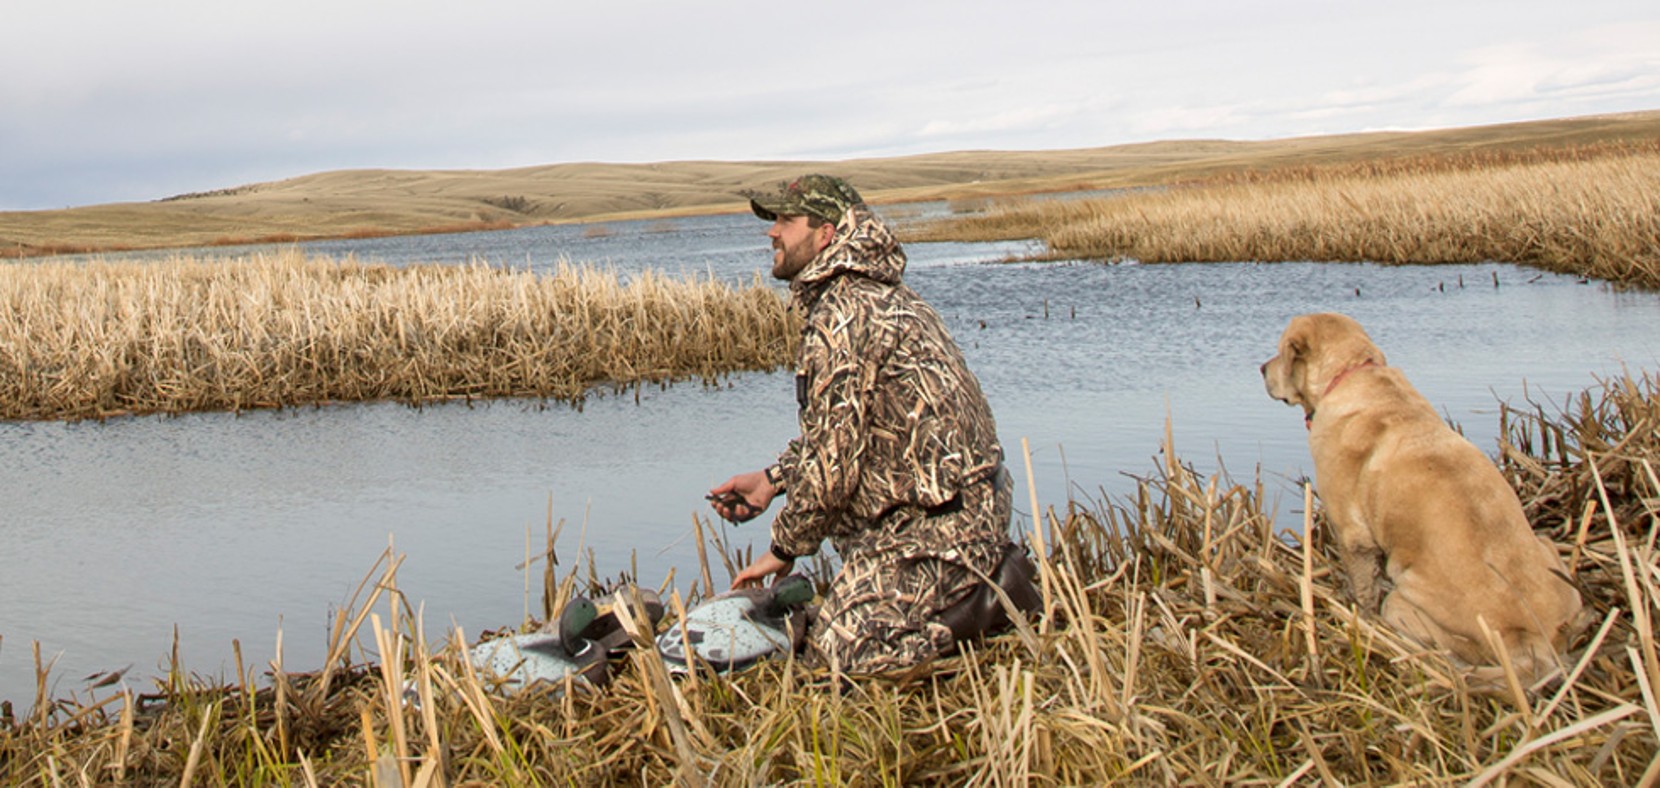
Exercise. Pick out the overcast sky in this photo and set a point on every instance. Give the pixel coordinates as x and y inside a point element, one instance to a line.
<point>128,100</point>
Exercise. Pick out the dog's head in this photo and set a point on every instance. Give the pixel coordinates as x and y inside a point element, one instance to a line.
<point>1314,351</point>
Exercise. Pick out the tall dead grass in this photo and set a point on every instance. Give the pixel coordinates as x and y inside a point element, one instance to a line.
<point>90,340</point>
<point>1189,636</point>
<point>1592,211</point>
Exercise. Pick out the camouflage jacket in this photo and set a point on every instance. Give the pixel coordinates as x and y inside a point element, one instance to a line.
<point>890,414</point>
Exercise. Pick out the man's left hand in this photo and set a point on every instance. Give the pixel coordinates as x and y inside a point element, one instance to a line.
<point>758,571</point>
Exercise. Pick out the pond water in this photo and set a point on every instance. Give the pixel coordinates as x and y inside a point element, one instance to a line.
<point>228,527</point>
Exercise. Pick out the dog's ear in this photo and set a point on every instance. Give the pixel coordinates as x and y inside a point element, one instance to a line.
<point>1297,337</point>
<point>1295,346</point>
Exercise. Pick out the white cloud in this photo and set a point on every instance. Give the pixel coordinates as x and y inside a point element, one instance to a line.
<point>1603,62</point>
<point>1016,119</point>
<point>1182,122</point>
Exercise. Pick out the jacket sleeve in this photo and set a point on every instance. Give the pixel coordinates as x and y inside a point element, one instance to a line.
<point>788,460</point>
<point>841,356</point>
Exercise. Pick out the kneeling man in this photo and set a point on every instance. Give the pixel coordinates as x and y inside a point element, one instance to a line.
<point>898,462</point>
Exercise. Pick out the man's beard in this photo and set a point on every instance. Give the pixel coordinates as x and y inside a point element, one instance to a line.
<point>795,258</point>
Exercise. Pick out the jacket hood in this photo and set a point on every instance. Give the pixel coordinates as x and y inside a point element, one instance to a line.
<point>864,245</point>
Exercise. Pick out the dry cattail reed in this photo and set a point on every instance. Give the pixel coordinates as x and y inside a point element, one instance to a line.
<point>1591,212</point>
<point>103,338</point>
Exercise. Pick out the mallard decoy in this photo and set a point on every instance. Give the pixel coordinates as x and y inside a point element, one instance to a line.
<point>738,628</point>
<point>522,660</point>
<point>607,629</point>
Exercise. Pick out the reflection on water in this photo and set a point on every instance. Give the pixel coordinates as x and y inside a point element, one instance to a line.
<point>231,527</point>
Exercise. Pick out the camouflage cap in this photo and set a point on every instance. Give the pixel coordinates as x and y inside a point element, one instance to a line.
<point>824,196</point>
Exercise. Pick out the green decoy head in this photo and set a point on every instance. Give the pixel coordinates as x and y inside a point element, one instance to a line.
<point>789,592</point>
<point>577,615</point>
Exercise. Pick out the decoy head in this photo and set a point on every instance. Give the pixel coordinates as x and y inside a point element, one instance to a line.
<point>792,591</point>
<point>577,615</point>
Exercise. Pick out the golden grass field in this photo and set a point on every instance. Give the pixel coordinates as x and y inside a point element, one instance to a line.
<point>92,340</point>
<point>376,202</point>
<point>1591,210</point>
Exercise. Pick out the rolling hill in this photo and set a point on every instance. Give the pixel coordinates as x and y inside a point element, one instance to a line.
<point>349,203</point>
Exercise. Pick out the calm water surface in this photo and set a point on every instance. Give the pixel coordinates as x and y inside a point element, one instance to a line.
<point>235,527</point>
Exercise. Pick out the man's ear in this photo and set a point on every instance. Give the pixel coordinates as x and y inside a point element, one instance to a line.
<point>823,234</point>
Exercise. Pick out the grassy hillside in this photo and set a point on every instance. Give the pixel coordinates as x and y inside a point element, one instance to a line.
<point>375,202</point>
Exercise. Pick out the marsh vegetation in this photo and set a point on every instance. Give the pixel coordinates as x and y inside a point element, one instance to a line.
<point>1589,210</point>
<point>1188,636</point>
<point>91,340</point>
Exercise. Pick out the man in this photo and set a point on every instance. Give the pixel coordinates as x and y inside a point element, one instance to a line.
<point>898,462</point>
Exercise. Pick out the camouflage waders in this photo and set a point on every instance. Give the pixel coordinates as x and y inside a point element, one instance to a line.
<point>884,608</point>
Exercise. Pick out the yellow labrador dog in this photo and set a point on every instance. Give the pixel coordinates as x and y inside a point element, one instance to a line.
<point>1424,521</point>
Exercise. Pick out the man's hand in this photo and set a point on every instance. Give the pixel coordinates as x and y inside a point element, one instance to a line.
<point>757,572</point>
<point>743,497</point>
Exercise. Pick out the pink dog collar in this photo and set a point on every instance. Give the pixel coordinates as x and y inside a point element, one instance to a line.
<point>1308,419</point>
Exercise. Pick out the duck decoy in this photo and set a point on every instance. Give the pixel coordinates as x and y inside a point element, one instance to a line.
<point>607,629</point>
<point>736,629</point>
<point>520,661</point>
